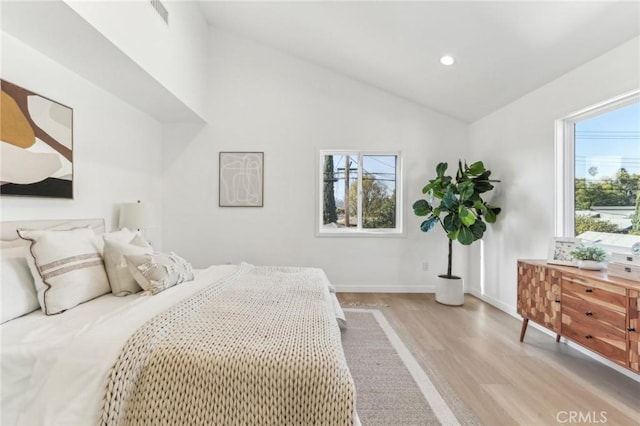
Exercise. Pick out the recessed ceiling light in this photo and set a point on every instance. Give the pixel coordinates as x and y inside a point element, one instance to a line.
<point>447,60</point>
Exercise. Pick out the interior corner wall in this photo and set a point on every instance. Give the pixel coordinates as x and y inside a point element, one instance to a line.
<point>175,54</point>
<point>116,148</point>
<point>517,143</point>
<point>262,99</point>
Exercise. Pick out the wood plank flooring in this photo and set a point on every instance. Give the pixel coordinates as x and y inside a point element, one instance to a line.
<point>477,350</point>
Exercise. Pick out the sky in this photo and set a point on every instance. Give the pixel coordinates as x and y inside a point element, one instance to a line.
<point>608,142</point>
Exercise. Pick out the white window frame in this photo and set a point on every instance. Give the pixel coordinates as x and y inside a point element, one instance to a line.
<point>565,160</point>
<point>321,231</point>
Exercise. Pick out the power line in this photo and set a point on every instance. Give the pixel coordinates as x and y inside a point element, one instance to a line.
<point>380,161</point>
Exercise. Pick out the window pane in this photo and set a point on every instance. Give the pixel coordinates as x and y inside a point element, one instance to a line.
<point>379,191</point>
<point>607,176</point>
<point>336,189</point>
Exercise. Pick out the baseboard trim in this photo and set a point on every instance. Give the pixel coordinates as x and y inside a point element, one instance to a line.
<point>495,303</point>
<point>346,288</point>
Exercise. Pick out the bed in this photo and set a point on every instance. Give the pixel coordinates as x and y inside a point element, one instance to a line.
<point>237,344</point>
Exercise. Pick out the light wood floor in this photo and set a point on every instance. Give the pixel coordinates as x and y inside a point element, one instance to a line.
<point>476,348</point>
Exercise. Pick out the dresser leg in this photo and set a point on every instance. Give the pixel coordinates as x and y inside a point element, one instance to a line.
<point>557,337</point>
<point>525,322</point>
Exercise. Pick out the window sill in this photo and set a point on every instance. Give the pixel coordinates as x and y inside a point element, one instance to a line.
<point>365,234</point>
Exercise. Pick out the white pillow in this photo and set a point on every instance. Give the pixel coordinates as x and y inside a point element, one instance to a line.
<point>157,272</point>
<point>120,278</point>
<point>66,266</point>
<point>124,236</point>
<point>18,292</point>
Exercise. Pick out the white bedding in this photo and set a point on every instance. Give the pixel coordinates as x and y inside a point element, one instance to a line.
<point>54,368</point>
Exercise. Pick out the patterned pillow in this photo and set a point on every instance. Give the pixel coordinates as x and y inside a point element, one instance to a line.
<point>120,278</point>
<point>66,266</point>
<point>157,272</point>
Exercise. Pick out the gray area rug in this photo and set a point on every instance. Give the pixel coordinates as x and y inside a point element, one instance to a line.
<point>391,387</point>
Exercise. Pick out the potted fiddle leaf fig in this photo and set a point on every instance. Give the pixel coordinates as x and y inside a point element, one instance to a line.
<point>456,204</point>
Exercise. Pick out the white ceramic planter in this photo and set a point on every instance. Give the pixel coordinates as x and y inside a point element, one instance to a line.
<point>450,291</point>
<point>590,264</point>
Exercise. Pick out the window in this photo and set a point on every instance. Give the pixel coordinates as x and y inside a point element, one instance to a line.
<point>601,168</point>
<point>360,193</point>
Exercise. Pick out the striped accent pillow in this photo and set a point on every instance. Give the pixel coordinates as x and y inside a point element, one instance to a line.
<point>67,267</point>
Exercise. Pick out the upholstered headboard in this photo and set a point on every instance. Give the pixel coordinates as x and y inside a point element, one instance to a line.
<point>8,229</point>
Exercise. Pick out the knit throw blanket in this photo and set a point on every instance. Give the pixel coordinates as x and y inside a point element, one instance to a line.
<point>260,347</point>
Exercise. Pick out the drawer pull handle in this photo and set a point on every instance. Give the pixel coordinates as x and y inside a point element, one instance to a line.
<point>588,313</point>
<point>557,301</point>
<point>631,329</point>
<point>588,336</point>
<point>588,290</point>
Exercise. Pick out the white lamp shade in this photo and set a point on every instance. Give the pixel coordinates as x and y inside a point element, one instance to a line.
<point>135,215</point>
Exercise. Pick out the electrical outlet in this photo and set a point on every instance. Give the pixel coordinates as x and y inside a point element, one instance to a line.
<point>425,266</point>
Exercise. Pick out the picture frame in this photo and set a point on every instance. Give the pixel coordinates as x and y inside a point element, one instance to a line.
<point>560,249</point>
<point>241,179</point>
<point>37,148</point>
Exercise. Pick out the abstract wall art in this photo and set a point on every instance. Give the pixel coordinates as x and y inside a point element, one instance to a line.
<point>241,179</point>
<point>36,148</point>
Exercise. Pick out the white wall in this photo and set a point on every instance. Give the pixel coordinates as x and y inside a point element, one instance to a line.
<point>116,148</point>
<point>174,54</point>
<point>264,100</point>
<point>517,143</point>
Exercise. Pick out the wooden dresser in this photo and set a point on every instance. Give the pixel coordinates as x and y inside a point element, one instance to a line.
<point>598,312</point>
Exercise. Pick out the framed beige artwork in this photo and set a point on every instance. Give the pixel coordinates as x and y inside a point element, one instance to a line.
<point>241,179</point>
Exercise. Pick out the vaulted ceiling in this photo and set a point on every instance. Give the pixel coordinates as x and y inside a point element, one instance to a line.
<point>503,50</point>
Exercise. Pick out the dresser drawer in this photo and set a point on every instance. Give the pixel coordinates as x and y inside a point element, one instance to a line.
<point>599,337</point>
<point>595,292</point>
<point>593,311</point>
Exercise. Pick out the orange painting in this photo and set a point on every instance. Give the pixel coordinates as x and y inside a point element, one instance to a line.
<point>36,148</point>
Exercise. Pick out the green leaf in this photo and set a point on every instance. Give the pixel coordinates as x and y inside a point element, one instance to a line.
<point>482,186</point>
<point>465,236</point>
<point>467,217</point>
<point>491,213</point>
<point>460,174</point>
<point>451,222</point>
<point>428,187</point>
<point>441,168</point>
<point>421,208</point>
<point>453,235</point>
<point>479,205</point>
<point>465,189</point>
<point>495,209</point>
<point>476,168</point>
<point>428,224</point>
<point>478,229</point>
<point>473,198</point>
<point>449,201</point>
<point>436,212</point>
<point>483,176</point>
